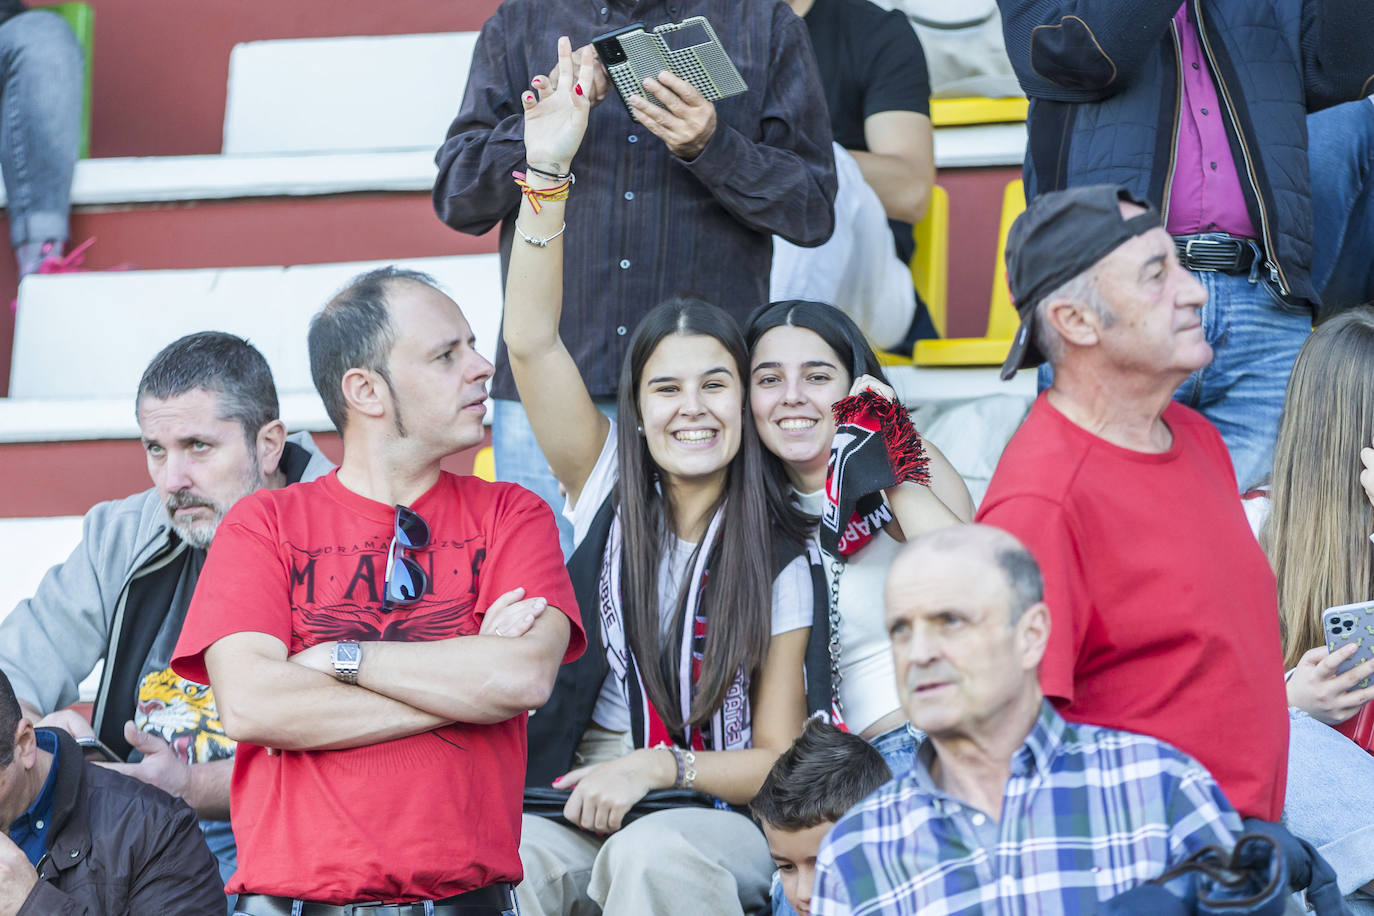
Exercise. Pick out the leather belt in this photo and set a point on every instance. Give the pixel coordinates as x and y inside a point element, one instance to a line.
<point>1217,251</point>
<point>485,901</point>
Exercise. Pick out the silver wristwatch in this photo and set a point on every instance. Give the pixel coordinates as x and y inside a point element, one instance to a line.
<point>348,655</point>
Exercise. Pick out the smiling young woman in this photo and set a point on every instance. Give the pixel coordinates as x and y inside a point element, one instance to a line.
<point>700,683</point>
<point>806,356</point>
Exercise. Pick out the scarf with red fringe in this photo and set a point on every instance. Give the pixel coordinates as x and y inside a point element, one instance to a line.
<point>875,447</point>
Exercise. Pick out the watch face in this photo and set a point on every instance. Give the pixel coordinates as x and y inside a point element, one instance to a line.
<point>348,652</point>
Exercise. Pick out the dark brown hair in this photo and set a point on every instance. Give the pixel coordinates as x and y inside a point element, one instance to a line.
<point>842,335</point>
<point>821,776</point>
<point>738,599</point>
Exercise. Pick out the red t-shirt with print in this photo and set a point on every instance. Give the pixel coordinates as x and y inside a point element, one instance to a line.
<point>427,816</point>
<point>1164,610</point>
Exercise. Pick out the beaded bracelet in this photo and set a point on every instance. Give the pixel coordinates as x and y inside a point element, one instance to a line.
<point>677,760</point>
<point>538,242</point>
<point>686,765</point>
<point>537,196</point>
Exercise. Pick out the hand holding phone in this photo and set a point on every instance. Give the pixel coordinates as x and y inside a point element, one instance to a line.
<point>689,50</point>
<point>97,751</point>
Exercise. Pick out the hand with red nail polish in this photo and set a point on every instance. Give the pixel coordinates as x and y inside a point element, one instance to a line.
<point>594,89</point>
<point>556,120</point>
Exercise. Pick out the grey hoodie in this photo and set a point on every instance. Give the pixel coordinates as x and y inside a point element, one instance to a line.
<point>52,641</point>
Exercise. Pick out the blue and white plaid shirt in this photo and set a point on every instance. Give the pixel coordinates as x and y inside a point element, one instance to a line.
<point>1088,812</point>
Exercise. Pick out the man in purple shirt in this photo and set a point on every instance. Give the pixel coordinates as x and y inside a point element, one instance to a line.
<point>1201,108</point>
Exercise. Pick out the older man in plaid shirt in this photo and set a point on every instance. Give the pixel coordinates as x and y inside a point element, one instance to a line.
<point>1008,808</point>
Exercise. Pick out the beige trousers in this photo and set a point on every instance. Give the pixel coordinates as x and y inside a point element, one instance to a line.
<point>693,860</point>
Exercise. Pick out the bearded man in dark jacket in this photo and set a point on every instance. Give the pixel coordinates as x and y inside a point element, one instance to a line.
<point>1200,107</point>
<point>82,840</point>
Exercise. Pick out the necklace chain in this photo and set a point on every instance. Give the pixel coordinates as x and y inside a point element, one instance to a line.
<point>836,570</point>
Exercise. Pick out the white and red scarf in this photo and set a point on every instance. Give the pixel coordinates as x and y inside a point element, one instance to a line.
<point>729,728</point>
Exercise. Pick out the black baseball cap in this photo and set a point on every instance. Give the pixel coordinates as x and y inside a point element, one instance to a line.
<point>1060,235</point>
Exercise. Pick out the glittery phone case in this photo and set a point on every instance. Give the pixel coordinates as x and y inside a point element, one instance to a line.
<point>1351,623</point>
<point>689,48</point>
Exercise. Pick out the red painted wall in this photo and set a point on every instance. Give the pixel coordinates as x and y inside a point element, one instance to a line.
<point>67,478</point>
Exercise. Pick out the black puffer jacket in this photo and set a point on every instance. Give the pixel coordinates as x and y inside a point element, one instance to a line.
<point>117,846</point>
<point>1103,79</point>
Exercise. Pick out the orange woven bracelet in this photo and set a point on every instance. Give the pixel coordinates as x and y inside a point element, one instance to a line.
<point>537,196</point>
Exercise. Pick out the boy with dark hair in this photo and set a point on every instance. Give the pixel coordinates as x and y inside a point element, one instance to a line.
<point>821,776</point>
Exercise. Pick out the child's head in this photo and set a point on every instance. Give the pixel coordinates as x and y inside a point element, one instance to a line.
<point>821,776</point>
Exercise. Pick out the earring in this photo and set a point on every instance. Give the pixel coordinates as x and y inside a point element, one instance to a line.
<point>639,428</point>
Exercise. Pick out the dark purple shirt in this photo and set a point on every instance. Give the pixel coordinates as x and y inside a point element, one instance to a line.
<point>642,224</point>
<point>1206,195</point>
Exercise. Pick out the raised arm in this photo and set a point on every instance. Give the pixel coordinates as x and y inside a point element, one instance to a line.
<point>919,508</point>
<point>569,428</point>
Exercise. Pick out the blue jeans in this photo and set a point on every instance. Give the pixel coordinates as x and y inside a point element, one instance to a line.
<point>519,459</point>
<point>898,747</point>
<point>40,123</point>
<point>1340,153</point>
<point>1255,337</point>
<point>220,839</point>
<point>1329,802</point>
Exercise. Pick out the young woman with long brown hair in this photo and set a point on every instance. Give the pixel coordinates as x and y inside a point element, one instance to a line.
<point>702,613</point>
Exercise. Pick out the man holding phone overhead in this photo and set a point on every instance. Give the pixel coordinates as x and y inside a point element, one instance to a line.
<point>682,197</point>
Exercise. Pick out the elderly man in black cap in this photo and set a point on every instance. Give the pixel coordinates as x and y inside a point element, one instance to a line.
<point>1165,619</point>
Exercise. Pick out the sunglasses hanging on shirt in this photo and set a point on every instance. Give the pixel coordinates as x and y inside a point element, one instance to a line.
<point>406,581</point>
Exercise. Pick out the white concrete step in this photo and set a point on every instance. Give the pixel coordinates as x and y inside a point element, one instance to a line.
<point>83,340</point>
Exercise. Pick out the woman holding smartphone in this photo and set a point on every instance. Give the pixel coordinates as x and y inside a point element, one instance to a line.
<point>700,685</point>
<point>1315,525</point>
<point>804,357</point>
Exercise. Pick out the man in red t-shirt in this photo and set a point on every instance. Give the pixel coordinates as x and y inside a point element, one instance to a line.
<point>1165,617</point>
<point>375,638</point>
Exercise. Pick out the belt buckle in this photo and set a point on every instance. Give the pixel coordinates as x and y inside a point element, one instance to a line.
<point>1217,255</point>
<point>1188,252</point>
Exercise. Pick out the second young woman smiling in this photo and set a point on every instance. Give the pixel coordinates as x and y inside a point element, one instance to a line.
<point>805,357</point>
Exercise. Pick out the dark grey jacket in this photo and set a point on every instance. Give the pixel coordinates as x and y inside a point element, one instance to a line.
<point>1103,79</point>
<point>118,846</point>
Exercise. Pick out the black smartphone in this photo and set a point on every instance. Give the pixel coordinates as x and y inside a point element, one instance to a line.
<point>95,749</point>
<point>689,49</point>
